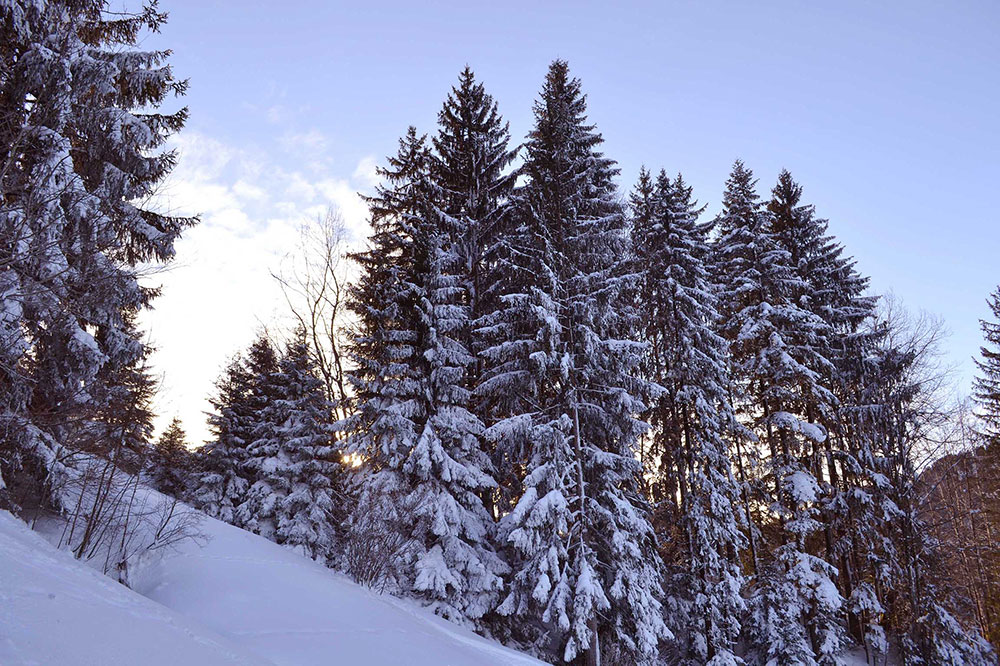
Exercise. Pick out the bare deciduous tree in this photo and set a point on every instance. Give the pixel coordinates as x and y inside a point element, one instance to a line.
<point>114,518</point>
<point>313,281</point>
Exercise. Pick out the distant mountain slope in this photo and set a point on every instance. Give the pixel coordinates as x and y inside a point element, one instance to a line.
<point>961,507</point>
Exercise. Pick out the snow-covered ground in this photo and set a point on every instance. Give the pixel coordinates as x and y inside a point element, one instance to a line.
<point>55,610</point>
<point>239,599</point>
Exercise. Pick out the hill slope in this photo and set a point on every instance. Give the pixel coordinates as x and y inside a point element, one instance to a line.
<point>240,599</point>
<point>55,610</point>
<point>294,611</point>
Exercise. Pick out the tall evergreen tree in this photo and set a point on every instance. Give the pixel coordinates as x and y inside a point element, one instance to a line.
<point>691,416</point>
<point>309,514</point>
<point>428,472</point>
<point>257,510</point>
<point>382,347</point>
<point>831,288</point>
<point>291,457</point>
<point>580,541</point>
<point>776,347</point>
<point>470,170</point>
<point>81,143</point>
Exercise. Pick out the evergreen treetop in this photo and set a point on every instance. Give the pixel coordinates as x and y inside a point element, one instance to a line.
<point>171,462</point>
<point>986,387</point>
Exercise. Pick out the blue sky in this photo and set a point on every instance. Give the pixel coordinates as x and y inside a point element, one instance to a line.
<point>886,113</point>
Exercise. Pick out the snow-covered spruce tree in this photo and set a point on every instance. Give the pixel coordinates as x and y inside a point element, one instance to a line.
<point>170,464</point>
<point>385,376</point>
<point>221,483</point>
<point>80,139</point>
<point>776,349</point>
<point>426,469</point>
<point>830,285</point>
<point>257,510</point>
<point>470,168</point>
<point>853,503</point>
<point>585,579</point>
<point>309,515</point>
<point>691,417</point>
<point>986,389</point>
<point>290,458</point>
<point>643,225</point>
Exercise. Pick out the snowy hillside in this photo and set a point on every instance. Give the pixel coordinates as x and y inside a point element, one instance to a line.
<point>55,610</point>
<point>237,600</point>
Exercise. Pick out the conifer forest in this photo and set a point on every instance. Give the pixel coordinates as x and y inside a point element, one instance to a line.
<point>593,421</point>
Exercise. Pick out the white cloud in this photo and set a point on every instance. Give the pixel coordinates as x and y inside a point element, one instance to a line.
<point>200,157</point>
<point>347,200</point>
<point>365,176</point>
<point>245,190</point>
<point>219,291</point>
<point>299,188</point>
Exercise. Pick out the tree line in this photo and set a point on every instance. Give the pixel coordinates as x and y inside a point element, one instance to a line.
<point>615,430</point>
<point>600,428</point>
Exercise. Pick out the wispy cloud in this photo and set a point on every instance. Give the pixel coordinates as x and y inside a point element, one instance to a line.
<point>365,175</point>
<point>220,291</point>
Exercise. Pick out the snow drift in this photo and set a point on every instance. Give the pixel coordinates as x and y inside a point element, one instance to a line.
<point>239,599</point>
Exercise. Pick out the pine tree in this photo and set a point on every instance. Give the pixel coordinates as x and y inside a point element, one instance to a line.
<point>428,472</point>
<point>691,416</point>
<point>580,542</point>
<point>258,510</point>
<point>171,461</point>
<point>71,230</point>
<point>831,288</point>
<point>385,378</point>
<point>222,483</point>
<point>986,388</point>
<point>645,231</point>
<point>456,567</point>
<point>471,157</point>
<point>309,514</point>
<point>290,458</point>
<point>776,347</point>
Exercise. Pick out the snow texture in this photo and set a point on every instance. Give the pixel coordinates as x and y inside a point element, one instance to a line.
<point>240,599</point>
<point>57,610</point>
